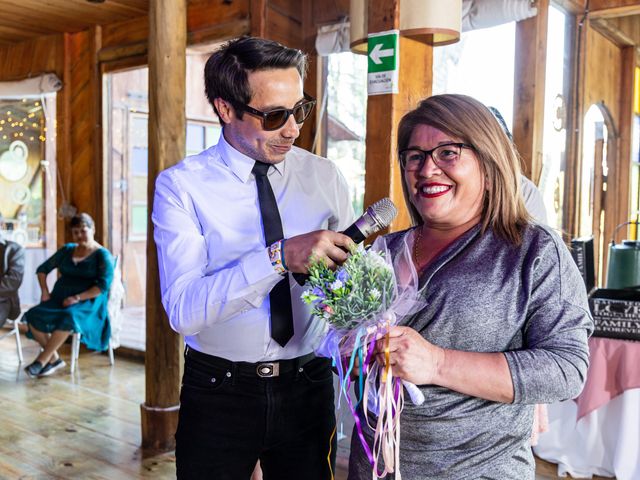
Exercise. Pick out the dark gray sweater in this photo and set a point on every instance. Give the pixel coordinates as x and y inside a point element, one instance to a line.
<point>484,294</point>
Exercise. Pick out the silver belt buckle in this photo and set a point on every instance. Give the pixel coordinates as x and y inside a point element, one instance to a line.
<point>268,369</point>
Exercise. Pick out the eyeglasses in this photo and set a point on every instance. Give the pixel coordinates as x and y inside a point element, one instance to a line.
<point>274,119</point>
<point>444,156</point>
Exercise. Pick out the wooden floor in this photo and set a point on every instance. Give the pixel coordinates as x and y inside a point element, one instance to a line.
<point>87,425</point>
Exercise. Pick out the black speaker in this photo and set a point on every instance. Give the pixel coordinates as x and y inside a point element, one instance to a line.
<point>582,253</point>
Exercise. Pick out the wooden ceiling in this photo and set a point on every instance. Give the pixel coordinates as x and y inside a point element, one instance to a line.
<point>22,20</point>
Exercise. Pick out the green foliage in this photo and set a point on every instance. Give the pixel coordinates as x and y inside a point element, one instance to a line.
<point>354,293</point>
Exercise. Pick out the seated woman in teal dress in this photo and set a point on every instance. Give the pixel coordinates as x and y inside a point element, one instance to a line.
<point>78,301</point>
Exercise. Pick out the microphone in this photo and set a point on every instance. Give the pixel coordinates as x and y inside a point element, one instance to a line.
<point>375,218</point>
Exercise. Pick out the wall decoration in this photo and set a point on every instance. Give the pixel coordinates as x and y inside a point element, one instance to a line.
<point>20,194</point>
<point>13,162</point>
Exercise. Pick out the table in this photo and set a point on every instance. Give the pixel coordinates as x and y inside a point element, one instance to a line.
<point>599,432</point>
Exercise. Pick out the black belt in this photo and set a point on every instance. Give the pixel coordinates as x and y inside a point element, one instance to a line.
<point>260,369</point>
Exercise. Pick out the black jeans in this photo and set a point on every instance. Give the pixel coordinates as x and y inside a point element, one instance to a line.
<point>230,417</point>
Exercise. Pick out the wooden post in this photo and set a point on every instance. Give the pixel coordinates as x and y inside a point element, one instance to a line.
<point>575,109</point>
<point>622,186</point>
<point>167,126</point>
<point>383,177</point>
<point>528,102</point>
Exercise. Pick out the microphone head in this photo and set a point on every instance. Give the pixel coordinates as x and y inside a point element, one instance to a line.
<point>383,211</point>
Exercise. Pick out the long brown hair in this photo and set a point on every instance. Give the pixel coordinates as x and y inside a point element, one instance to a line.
<point>469,121</point>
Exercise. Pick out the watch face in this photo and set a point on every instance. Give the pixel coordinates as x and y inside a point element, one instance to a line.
<point>13,162</point>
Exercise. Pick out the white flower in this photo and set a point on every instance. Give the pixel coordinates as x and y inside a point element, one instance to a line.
<point>337,285</point>
<point>374,293</point>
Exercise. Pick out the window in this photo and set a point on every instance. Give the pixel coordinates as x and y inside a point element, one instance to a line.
<point>22,153</point>
<point>345,121</point>
<point>480,65</point>
<point>552,177</point>
<point>201,135</point>
<point>138,172</point>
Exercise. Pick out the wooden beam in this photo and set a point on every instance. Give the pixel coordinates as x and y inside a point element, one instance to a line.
<point>308,32</point>
<point>575,112</point>
<point>383,177</point>
<point>219,32</point>
<point>621,188</point>
<point>119,52</point>
<point>607,28</point>
<point>167,125</point>
<point>573,7</point>
<point>528,102</point>
<point>63,134</point>
<point>258,13</point>
<point>613,8</point>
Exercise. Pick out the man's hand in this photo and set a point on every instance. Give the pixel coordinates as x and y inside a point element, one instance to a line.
<point>45,296</point>
<point>332,247</point>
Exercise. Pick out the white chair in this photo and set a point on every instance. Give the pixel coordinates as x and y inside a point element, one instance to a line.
<point>75,351</point>
<point>114,307</point>
<point>15,331</point>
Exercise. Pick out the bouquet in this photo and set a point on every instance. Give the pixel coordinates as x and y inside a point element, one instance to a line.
<point>360,302</point>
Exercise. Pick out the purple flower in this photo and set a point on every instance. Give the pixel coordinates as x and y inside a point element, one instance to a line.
<point>342,275</point>
<point>317,291</point>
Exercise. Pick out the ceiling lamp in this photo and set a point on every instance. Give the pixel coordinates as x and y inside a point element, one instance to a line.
<point>434,22</point>
<point>359,21</point>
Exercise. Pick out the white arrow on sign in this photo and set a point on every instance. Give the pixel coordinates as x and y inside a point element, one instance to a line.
<point>377,53</point>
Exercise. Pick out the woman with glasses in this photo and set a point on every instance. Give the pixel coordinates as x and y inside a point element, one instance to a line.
<point>504,319</point>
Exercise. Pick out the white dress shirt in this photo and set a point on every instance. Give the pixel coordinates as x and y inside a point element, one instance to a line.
<point>215,272</point>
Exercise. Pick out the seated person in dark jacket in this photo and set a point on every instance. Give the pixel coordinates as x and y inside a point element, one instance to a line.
<point>11,273</point>
<point>78,301</point>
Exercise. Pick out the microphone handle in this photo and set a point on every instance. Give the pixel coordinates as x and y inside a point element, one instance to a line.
<point>353,232</point>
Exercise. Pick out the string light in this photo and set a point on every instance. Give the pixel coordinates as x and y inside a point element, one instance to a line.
<point>25,122</point>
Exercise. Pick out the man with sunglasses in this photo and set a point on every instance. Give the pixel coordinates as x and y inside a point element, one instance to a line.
<point>231,224</point>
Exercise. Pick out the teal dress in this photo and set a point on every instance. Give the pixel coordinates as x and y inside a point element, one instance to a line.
<point>88,317</point>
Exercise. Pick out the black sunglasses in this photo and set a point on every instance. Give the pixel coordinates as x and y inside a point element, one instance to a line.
<point>274,119</point>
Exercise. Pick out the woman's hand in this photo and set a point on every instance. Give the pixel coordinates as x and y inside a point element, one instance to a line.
<point>72,300</point>
<point>45,296</point>
<point>412,358</point>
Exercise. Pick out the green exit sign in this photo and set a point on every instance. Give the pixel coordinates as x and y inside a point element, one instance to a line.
<point>383,62</point>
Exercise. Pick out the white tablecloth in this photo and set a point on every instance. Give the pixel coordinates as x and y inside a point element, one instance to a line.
<point>605,442</point>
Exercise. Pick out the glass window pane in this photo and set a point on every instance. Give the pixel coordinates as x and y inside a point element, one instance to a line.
<point>347,120</point>
<point>212,135</point>
<point>466,67</point>
<point>139,160</point>
<point>22,146</point>
<point>139,219</point>
<point>139,189</point>
<point>552,177</point>
<point>139,131</point>
<point>195,138</point>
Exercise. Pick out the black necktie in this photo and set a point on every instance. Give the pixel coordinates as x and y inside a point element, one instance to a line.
<point>280,295</point>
